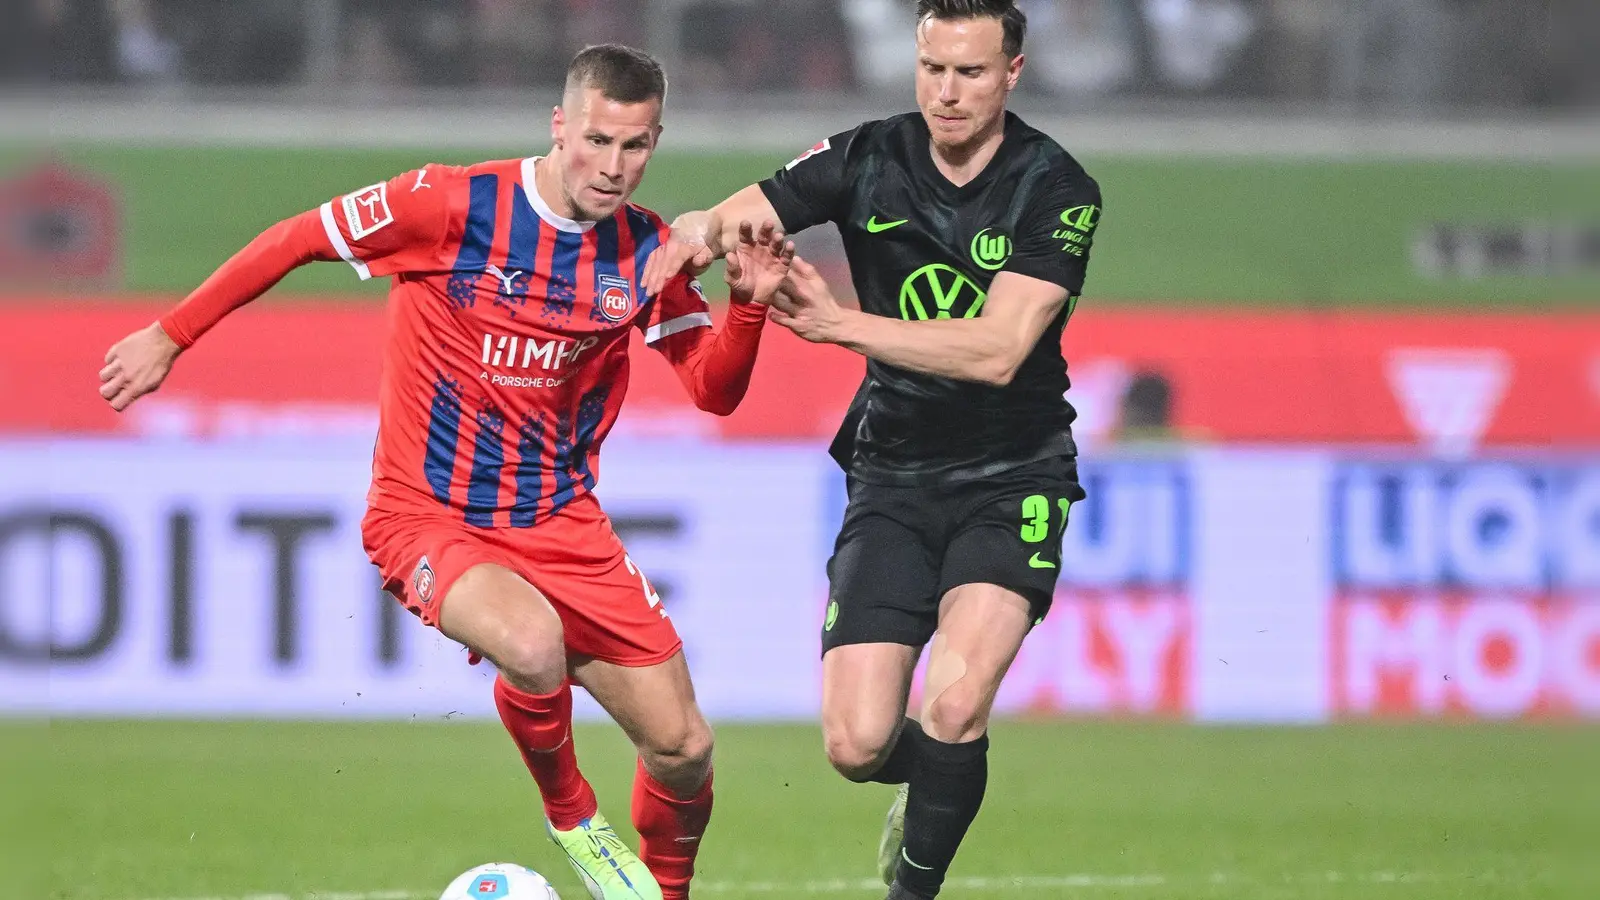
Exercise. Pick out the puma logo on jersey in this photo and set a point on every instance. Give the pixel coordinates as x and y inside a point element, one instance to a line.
<point>421,174</point>
<point>505,279</point>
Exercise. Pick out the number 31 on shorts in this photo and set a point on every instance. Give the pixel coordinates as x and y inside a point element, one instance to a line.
<point>1036,517</point>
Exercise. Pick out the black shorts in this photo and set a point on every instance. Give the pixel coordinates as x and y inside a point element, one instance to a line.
<point>901,549</point>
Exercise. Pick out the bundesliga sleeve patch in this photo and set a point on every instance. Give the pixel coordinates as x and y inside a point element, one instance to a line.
<point>825,146</point>
<point>367,210</point>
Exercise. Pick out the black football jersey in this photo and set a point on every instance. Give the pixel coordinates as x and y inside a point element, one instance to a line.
<point>921,247</point>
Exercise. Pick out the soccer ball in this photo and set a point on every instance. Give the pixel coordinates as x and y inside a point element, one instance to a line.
<point>500,881</point>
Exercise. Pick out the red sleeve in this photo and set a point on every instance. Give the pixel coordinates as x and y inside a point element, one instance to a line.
<point>681,307</point>
<point>715,366</point>
<point>393,226</point>
<point>247,275</point>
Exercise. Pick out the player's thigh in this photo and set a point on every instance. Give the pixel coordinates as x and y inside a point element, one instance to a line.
<point>864,691</point>
<point>459,582</point>
<point>884,573</point>
<point>654,705</point>
<point>981,629</point>
<point>492,609</point>
<point>997,581</point>
<point>1010,530</point>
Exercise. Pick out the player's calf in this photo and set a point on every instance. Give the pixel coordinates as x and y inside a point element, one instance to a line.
<point>655,706</point>
<point>671,824</point>
<point>672,798</point>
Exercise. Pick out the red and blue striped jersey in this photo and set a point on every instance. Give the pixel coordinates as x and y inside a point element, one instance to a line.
<point>507,354</point>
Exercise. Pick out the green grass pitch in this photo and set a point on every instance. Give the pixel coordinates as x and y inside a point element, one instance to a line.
<point>1293,233</point>
<point>116,810</point>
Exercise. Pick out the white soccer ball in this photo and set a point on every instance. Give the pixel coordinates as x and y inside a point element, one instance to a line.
<point>500,881</point>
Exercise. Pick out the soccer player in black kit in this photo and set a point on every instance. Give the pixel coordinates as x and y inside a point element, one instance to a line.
<point>968,235</point>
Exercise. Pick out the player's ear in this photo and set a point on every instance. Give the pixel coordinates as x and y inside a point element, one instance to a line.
<point>558,119</point>
<point>1014,71</point>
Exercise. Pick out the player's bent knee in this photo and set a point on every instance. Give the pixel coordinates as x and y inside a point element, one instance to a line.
<point>958,714</point>
<point>694,750</point>
<point>855,754</point>
<point>532,662</point>
<point>687,746</point>
<point>495,612</point>
<point>682,759</point>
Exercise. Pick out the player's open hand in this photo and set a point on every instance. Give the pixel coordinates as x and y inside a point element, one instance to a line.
<point>136,365</point>
<point>759,263</point>
<point>805,305</point>
<point>685,250</point>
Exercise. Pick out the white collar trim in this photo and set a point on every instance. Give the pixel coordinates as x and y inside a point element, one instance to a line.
<point>530,186</point>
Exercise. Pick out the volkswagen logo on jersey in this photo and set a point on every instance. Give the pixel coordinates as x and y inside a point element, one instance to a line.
<point>615,297</point>
<point>938,291</point>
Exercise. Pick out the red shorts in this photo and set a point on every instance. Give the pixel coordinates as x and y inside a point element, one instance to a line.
<point>608,609</point>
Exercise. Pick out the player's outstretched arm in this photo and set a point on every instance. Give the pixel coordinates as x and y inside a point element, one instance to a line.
<point>988,349</point>
<point>140,362</point>
<point>704,236</point>
<point>381,229</point>
<point>715,367</point>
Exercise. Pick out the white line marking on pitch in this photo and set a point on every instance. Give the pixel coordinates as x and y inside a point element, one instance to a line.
<point>981,883</point>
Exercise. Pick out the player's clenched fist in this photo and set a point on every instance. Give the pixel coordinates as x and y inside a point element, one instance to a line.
<point>758,263</point>
<point>136,365</point>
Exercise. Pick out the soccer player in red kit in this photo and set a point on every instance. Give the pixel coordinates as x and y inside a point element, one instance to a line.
<point>514,287</point>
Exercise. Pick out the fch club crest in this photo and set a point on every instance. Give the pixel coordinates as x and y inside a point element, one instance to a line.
<point>614,297</point>
<point>422,580</point>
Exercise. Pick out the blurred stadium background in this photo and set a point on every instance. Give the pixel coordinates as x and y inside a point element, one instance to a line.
<point>1338,367</point>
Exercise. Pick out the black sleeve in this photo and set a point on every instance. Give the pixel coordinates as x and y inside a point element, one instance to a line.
<point>1054,236</point>
<point>813,187</point>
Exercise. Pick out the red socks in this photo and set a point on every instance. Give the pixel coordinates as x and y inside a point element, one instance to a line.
<point>669,826</point>
<point>541,726</point>
<point>669,829</point>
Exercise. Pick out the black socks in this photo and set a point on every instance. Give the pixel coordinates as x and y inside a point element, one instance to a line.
<point>947,788</point>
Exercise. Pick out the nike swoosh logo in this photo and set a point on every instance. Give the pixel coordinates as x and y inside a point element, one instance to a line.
<point>874,226</point>
<point>1034,562</point>
<point>912,864</point>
